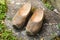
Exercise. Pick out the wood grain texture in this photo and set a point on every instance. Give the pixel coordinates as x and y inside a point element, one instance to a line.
<point>35,22</point>
<point>21,15</point>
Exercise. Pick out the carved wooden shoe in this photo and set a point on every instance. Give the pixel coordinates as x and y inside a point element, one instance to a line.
<point>20,17</point>
<point>35,22</point>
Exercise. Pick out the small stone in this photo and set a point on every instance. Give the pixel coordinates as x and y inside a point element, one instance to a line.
<point>57,4</point>
<point>18,3</point>
<point>42,39</point>
<point>55,10</point>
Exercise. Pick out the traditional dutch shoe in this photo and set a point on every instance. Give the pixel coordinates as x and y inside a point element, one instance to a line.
<point>35,23</point>
<point>20,17</point>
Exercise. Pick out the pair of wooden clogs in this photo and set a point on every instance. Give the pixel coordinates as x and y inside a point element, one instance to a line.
<point>34,23</point>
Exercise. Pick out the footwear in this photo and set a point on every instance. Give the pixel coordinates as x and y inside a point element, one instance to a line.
<point>35,23</point>
<point>21,15</point>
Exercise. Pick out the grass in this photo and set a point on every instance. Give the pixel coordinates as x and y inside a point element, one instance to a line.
<point>48,4</point>
<point>3,9</point>
<point>5,34</point>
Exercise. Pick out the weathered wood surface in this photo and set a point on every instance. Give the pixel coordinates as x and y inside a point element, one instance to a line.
<point>50,25</point>
<point>19,20</point>
<point>35,23</point>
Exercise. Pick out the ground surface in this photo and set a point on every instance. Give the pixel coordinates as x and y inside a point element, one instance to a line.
<point>49,29</point>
